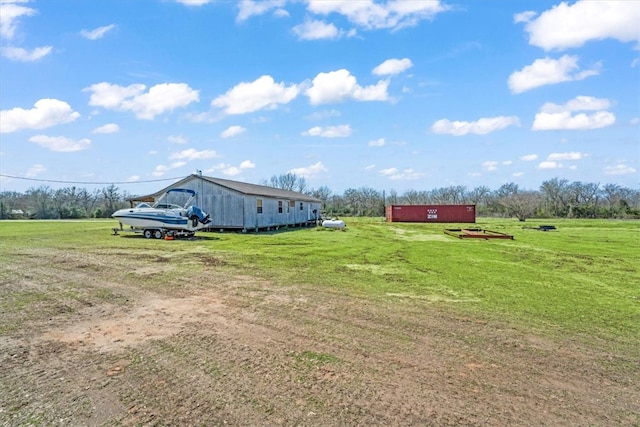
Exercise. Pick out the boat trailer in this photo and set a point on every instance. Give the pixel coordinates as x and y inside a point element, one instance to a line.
<point>476,233</point>
<point>155,233</point>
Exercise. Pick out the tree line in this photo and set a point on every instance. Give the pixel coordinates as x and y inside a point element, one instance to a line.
<point>556,198</point>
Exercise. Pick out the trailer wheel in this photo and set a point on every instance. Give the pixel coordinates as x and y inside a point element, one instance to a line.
<point>157,234</point>
<point>148,234</point>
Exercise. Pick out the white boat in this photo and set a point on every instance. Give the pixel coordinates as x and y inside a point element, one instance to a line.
<point>162,218</point>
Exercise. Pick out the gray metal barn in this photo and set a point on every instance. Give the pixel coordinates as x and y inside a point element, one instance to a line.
<point>243,206</point>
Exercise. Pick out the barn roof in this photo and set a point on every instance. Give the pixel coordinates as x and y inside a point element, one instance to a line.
<point>259,190</point>
<point>240,187</point>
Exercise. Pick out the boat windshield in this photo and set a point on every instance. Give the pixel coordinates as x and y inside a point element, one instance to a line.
<point>167,206</point>
<point>143,205</point>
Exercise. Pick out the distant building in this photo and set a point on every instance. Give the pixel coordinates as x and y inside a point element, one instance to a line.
<point>18,214</point>
<point>248,207</point>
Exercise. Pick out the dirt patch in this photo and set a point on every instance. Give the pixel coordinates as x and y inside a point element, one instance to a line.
<point>108,328</point>
<point>130,348</point>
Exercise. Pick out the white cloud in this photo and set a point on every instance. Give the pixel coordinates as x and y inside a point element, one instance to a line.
<point>230,170</point>
<point>371,15</point>
<point>529,157</point>
<point>247,97</point>
<point>160,98</point>
<point>249,8</point>
<point>60,143</point>
<point>10,13</point>
<point>370,167</point>
<point>193,154</point>
<point>341,131</point>
<point>232,131</point>
<point>323,115</point>
<point>524,16</point>
<point>111,96</point>
<point>377,142</point>
<point>35,170</point>
<point>490,166</point>
<point>392,66</point>
<point>24,55</point>
<point>480,127</point>
<point>247,164</point>
<point>162,169</point>
<point>316,30</point>
<point>549,165</point>
<point>133,178</point>
<point>108,128</point>
<point>569,26</point>
<point>507,162</point>
<point>311,171</point>
<point>337,86</point>
<point>555,116</point>
<point>619,169</point>
<point>547,71</point>
<point>579,103</point>
<point>46,113</point>
<point>194,2</point>
<point>575,155</point>
<point>517,174</point>
<point>395,174</point>
<point>564,120</point>
<point>177,139</point>
<point>98,33</point>
<point>389,171</point>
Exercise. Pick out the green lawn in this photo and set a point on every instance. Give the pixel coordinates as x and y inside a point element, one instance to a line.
<point>581,281</point>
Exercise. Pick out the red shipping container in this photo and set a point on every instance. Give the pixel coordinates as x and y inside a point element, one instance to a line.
<point>431,213</point>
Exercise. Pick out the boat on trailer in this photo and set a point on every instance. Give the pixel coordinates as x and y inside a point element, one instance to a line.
<point>162,218</point>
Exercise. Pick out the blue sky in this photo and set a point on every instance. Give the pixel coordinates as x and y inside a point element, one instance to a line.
<point>384,94</point>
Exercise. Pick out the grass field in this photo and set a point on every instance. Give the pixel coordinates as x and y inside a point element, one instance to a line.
<point>583,279</point>
<point>579,283</point>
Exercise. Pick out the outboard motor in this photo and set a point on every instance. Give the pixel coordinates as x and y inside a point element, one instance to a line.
<point>196,215</point>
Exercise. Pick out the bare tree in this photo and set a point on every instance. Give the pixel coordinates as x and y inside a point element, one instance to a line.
<point>391,198</point>
<point>611,193</point>
<point>478,195</point>
<point>111,197</point>
<point>41,198</point>
<point>288,181</point>
<point>556,196</point>
<point>521,204</point>
<point>323,193</point>
<point>410,197</point>
<point>87,200</point>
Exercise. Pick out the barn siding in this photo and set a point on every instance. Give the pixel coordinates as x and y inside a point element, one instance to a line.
<point>228,208</point>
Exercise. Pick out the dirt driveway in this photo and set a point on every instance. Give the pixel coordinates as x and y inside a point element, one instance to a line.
<point>135,345</point>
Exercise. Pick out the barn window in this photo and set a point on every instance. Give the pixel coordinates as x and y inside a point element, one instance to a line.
<point>301,206</point>
<point>259,205</point>
<point>279,206</point>
<point>291,206</point>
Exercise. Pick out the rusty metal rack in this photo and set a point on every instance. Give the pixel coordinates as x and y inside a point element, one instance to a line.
<point>476,233</point>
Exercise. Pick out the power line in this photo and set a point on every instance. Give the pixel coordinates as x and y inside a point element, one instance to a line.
<point>89,182</point>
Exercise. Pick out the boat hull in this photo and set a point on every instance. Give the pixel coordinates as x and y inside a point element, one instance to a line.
<point>163,216</point>
<point>148,220</point>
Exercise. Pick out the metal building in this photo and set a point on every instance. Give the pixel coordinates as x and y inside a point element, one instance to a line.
<point>248,207</point>
<point>431,213</point>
